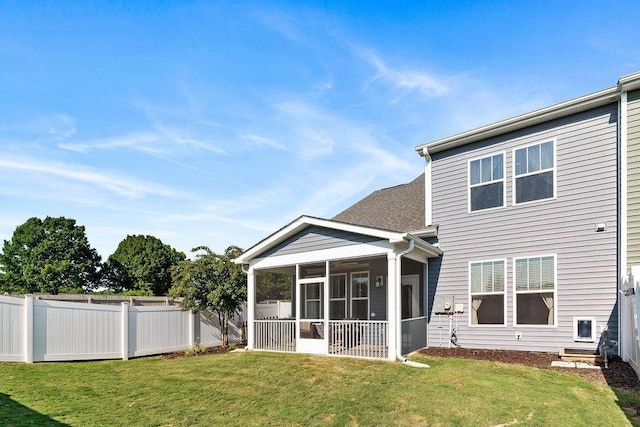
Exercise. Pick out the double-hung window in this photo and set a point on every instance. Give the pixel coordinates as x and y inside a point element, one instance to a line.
<point>534,168</point>
<point>486,182</point>
<point>487,287</point>
<point>535,288</point>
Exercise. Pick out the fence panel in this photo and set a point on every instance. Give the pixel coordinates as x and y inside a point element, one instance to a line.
<point>155,330</point>
<point>74,331</point>
<point>12,326</point>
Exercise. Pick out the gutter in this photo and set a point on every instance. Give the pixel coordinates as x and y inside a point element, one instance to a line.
<point>563,109</point>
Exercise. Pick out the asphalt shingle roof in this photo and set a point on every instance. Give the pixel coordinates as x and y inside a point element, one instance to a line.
<point>399,208</point>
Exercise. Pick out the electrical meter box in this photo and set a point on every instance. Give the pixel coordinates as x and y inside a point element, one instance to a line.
<point>443,304</point>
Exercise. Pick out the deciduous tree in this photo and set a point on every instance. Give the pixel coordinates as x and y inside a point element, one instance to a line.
<point>142,264</point>
<point>213,283</point>
<point>51,255</point>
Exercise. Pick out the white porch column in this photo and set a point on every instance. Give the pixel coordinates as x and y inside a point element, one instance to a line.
<point>251,308</point>
<point>392,315</point>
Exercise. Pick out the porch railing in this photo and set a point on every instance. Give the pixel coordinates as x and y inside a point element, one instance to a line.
<point>359,338</point>
<point>275,335</point>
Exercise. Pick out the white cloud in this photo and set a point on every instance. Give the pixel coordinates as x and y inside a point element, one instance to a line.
<point>261,140</point>
<point>59,126</point>
<point>115,183</point>
<point>406,81</point>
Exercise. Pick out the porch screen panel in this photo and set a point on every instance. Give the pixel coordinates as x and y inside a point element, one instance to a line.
<point>312,306</point>
<point>338,297</point>
<point>360,295</point>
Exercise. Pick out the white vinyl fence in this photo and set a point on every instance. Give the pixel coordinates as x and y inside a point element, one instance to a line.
<point>273,310</point>
<point>629,327</point>
<point>37,330</point>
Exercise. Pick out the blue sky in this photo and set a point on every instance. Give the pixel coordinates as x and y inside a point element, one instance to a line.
<point>216,123</point>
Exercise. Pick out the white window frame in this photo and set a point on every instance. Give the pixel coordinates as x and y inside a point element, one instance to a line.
<point>554,169</point>
<point>504,182</point>
<point>555,292</point>
<point>594,332</point>
<point>360,298</point>
<point>503,293</point>
<point>307,300</point>
<point>346,289</point>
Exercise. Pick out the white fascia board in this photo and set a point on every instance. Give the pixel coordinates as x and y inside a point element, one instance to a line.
<point>382,247</point>
<point>629,82</point>
<point>563,109</point>
<point>306,221</point>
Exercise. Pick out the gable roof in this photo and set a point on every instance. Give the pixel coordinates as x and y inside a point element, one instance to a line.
<point>305,221</point>
<point>399,208</point>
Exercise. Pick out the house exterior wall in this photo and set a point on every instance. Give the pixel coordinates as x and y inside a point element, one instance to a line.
<point>316,238</point>
<point>633,179</point>
<point>586,268</point>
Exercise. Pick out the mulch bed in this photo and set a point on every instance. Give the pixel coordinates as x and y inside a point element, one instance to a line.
<point>619,374</point>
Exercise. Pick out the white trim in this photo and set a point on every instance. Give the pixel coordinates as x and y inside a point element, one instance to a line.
<point>344,252</point>
<point>306,221</point>
<point>503,293</point>
<point>545,291</point>
<point>554,169</point>
<point>493,181</point>
<point>543,115</point>
<point>428,200</point>
<point>623,195</point>
<point>592,338</point>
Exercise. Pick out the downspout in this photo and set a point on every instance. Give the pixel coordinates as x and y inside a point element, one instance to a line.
<point>399,302</point>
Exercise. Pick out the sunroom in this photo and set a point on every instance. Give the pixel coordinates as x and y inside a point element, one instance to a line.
<point>325,287</point>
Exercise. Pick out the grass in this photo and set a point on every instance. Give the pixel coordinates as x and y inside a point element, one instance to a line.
<point>254,388</point>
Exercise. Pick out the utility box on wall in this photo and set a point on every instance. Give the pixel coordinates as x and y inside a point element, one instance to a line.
<point>443,304</point>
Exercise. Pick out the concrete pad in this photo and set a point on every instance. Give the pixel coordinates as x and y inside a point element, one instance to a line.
<point>583,365</point>
<point>563,364</point>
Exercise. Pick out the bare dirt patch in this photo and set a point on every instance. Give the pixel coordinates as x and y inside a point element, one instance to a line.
<point>619,374</point>
<point>208,350</point>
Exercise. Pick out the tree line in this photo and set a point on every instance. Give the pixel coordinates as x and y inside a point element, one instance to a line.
<point>54,256</point>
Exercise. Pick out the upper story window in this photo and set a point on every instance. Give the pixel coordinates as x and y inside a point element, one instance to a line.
<point>486,182</point>
<point>534,170</point>
<point>486,288</point>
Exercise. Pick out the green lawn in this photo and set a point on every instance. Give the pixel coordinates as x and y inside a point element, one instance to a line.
<point>256,388</point>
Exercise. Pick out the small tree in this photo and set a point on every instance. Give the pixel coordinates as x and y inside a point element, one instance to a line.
<point>213,283</point>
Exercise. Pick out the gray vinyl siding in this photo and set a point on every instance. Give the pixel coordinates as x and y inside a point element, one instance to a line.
<point>633,179</point>
<point>586,188</point>
<point>316,238</point>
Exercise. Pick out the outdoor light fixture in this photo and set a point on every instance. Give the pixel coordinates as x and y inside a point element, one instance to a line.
<point>379,281</point>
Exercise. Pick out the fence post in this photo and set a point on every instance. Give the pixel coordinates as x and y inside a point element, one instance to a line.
<point>125,331</point>
<point>28,328</point>
<point>192,327</point>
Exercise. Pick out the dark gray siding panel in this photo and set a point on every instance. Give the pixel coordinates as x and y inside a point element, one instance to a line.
<point>633,179</point>
<point>316,238</point>
<point>586,159</point>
